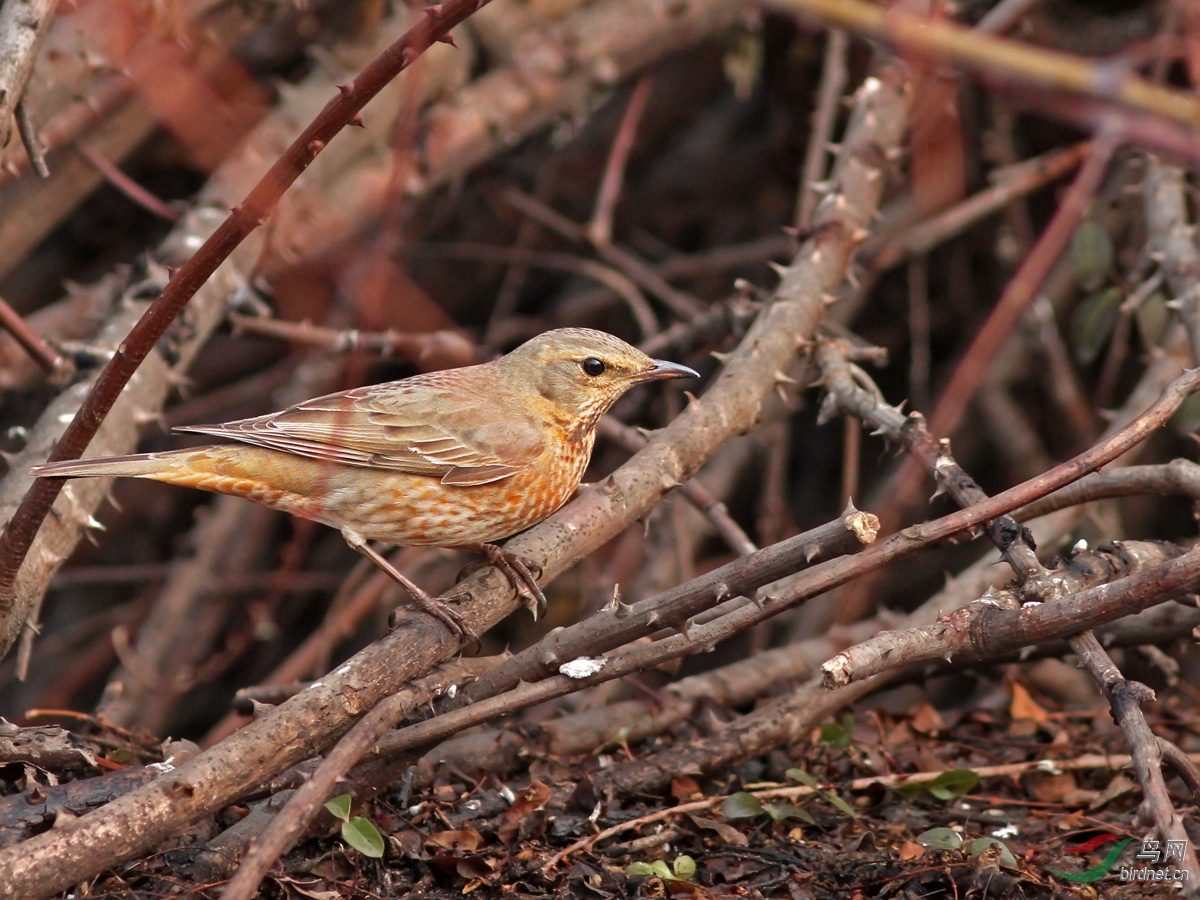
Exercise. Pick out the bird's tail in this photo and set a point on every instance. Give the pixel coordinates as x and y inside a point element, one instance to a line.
<point>143,465</point>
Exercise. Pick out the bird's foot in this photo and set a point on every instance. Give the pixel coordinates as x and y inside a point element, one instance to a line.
<point>521,572</point>
<point>421,598</point>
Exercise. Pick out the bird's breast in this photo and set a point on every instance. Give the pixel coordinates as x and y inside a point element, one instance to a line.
<point>418,510</point>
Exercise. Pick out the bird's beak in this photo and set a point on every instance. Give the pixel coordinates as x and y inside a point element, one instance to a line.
<point>663,370</point>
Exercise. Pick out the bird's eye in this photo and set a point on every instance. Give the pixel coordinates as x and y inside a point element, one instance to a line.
<point>593,366</point>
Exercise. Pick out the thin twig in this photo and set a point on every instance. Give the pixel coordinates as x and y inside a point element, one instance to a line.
<point>599,229</point>
<point>829,97</point>
<point>127,185</point>
<point>993,55</point>
<point>50,361</point>
<point>33,148</point>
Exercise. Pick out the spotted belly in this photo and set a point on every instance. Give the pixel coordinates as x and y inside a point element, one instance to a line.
<point>380,504</point>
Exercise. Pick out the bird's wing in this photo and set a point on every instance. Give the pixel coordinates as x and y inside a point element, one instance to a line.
<point>424,425</point>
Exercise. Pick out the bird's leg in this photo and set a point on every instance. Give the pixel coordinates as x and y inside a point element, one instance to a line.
<point>421,598</point>
<point>518,570</point>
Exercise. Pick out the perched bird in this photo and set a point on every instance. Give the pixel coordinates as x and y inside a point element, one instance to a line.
<point>456,458</point>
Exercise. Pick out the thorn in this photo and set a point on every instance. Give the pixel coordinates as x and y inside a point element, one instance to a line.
<point>447,38</point>
<point>315,147</point>
<point>615,603</point>
<point>346,89</point>
<point>719,356</point>
<point>357,121</point>
<point>778,269</point>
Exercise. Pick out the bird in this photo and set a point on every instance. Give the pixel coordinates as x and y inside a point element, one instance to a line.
<point>456,458</point>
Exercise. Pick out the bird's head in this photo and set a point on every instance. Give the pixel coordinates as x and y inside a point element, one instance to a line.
<point>581,373</point>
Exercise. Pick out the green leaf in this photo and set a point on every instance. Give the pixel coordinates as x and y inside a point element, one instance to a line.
<point>954,783</point>
<point>363,836</point>
<point>1093,322</point>
<point>808,781</point>
<point>339,807</point>
<point>1153,317</point>
<point>685,868</point>
<point>840,803</point>
<point>662,870</point>
<point>741,806</point>
<point>801,776</point>
<point>940,839</point>
<point>978,845</point>
<point>639,868</point>
<point>781,811</point>
<point>1091,254</point>
<point>835,736</point>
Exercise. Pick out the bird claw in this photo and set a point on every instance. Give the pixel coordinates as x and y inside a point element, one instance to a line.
<point>522,573</point>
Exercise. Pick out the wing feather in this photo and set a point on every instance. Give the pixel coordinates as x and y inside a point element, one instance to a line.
<point>427,425</point>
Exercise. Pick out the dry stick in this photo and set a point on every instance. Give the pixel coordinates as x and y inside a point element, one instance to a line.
<point>679,302</point>
<point>1004,15</point>
<point>617,623</point>
<point>759,251</point>
<point>1019,181</point>
<point>308,722</point>
<point>23,25</point>
<point>1023,287</point>
<point>41,353</point>
<point>997,56</point>
<point>358,596</point>
<point>1035,582</point>
<point>306,801</point>
<point>696,493</point>
<point>1179,476</point>
<point>1126,698</point>
<point>829,96</point>
<point>250,214</point>
<point>616,281</point>
<point>69,122</point>
<point>1172,239</point>
<point>34,150</point>
<point>599,229</point>
<point>127,185</point>
<point>427,350</point>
